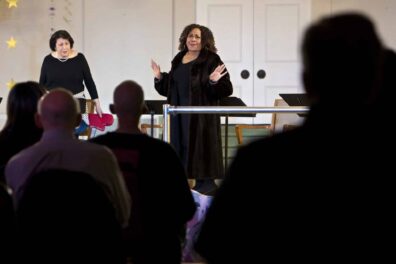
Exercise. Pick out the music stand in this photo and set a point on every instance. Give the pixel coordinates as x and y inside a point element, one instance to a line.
<point>231,101</point>
<point>296,99</point>
<point>1,98</point>
<point>154,107</point>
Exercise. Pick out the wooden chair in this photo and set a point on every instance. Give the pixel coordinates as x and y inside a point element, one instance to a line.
<point>280,122</point>
<point>284,121</point>
<point>239,130</point>
<point>90,109</point>
<point>144,127</point>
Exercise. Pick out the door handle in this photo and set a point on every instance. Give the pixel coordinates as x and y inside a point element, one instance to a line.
<point>261,74</point>
<point>245,74</point>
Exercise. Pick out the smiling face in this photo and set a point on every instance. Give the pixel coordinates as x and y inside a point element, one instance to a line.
<point>193,41</point>
<point>62,48</point>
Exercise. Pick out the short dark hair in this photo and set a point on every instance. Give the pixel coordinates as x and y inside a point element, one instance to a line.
<point>343,51</point>
<point>60,34</point>
<point>207,38</point>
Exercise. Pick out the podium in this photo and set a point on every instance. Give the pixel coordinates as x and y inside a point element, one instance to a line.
<point>154,107</point>
<point>231,101</point>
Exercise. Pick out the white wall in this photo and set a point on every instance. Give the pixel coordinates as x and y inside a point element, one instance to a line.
<point>382,12</point>
<point>30,24</point>
<point>120,37</point>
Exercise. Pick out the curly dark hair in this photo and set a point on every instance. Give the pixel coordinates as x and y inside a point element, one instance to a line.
<point>60,34</point>
<point>207,39</point>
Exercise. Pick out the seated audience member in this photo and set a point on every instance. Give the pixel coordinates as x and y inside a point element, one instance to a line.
<point>156,180</point>
<point>20,130</point>
<point>7,226</point>
<point>66,217</point>
<point>58,114</point>
<point>387,93</point>
<point>320,192</point>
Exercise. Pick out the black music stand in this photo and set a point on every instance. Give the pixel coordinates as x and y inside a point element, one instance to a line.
<point>296,99</point>
<point>1,98</point>
<point>231,101</point>
<point>154,107</point>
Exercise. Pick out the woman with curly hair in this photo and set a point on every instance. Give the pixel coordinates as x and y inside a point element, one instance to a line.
<point>198,77</point>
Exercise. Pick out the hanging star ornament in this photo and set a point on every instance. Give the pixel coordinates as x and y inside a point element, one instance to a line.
<point>11,43</point>
<point>12,3</point>
<point>10,84</point>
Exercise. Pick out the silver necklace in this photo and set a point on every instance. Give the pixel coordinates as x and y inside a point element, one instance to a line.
<point>63,60</point>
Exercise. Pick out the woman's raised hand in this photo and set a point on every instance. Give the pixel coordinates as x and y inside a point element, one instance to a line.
<point>156,69</point>
<point>219,72</point>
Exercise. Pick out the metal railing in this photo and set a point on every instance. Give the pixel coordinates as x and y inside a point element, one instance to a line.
<point>168,109</point>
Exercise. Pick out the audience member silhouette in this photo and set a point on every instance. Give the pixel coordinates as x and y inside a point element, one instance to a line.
<point>65,217</point>
<point>58,114</point>
<point>7,226</point>
<point>20,130</point>
<point>387,95</point>
<point>156,180</point>
<point>319,192</point>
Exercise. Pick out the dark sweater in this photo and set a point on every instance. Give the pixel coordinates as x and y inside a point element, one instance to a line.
<point>69,74</point>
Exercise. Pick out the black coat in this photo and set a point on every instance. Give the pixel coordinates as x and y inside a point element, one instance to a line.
<point>205,159</point>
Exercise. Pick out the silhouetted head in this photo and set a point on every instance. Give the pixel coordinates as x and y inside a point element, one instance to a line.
<point>58,109</point>
<point>60,34</point>
<point>206,37</point>
<point>342,57</point>
<point>22,104</point>
<point>128,100</point>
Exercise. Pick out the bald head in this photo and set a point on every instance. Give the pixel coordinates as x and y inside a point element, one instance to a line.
<point>128,100</point>
<point>58,109</point>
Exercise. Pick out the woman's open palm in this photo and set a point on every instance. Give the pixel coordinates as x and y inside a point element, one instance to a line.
<point>156,69</point>
<point>219,72</point>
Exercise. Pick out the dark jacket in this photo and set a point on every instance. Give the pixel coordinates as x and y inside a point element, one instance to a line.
<point>205,159</point>
<point>324,194</point>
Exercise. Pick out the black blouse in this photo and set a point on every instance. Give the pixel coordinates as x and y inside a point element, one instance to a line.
<point>70,74</point>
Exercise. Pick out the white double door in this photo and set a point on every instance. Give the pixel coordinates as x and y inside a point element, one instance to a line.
<point>259,42</point>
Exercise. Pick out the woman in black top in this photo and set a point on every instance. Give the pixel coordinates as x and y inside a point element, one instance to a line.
<point>198,77</point>
<point>65,67</point>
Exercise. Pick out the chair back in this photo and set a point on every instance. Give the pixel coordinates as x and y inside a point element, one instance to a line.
<point>89,109</point>
<point>7,226</point>
<point>144,127</point>
<point>73,217</point>
<point>284,121</point>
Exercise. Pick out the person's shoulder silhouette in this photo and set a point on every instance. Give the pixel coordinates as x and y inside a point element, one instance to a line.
<point>71,214</point>
<point>303,194</point>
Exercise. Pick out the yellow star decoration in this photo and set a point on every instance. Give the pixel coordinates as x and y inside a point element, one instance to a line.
<point>11,84</point>
<point>12,3</point>
<point>11,43</point>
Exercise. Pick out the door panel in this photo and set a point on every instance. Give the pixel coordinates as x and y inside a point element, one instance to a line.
<point>278,27</point>
<point>261,37</point>
<point>231,22</point>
